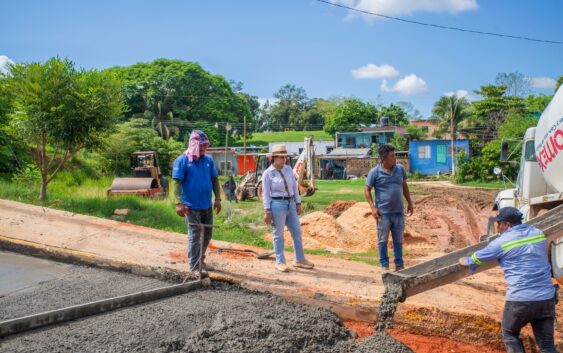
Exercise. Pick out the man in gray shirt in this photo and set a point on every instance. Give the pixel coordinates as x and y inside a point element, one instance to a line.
<point>390,182</point>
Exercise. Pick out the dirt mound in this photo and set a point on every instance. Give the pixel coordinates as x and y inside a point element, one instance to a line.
<point>445,218</point>
<point>336,208</point>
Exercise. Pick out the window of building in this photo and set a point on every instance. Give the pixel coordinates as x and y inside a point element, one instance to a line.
<point>329,149</point>
<point>424,152</point>
<point>458,150</point>
<point>222,167</point>
<point>350,140</point>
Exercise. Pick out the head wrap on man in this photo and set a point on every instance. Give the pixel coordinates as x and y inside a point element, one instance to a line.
<point>197,138</point>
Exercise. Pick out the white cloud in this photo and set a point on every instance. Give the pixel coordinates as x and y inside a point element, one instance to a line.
<point>406,7</point>
<point>4,61</point>
<point>409,85</point>
<point>542,82</point>
<point>460,93</point>
<point>271,101</point>
<point>372,71</point>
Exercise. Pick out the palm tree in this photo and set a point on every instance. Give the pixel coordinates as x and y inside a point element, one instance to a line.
<point>451,111</point>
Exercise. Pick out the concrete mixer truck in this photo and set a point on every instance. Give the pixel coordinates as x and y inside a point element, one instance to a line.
<point>539,186</point>
<point>538,194</point>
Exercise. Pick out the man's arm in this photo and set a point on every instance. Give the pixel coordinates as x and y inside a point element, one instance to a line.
<point>180,210</point>
<point>374,211</point>
<point>407,194</point>
<point>217,193</point>
<point>491,252</point>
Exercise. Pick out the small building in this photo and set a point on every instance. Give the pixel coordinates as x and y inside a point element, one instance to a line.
<point>367,137</point>
<point>218,156</point>
<point>432,156</point>
<point>427,125</point>
<point>295,148</point>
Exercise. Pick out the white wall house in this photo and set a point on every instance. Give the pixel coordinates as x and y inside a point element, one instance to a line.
<point>321,147</point>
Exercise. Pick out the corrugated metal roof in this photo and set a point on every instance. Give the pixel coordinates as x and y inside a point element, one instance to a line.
<point>350,152</point>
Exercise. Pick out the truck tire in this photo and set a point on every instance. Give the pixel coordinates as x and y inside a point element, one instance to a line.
<point>557,259</point>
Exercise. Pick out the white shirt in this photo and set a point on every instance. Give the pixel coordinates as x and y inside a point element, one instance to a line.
<point>273,185</point>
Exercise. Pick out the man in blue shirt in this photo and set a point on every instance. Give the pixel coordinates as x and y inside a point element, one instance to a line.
<point>521,251</point>
<point>195,176</point>
<point>390,182</point>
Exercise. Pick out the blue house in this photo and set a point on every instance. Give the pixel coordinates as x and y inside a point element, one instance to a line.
<point>367,137</point>
<point>432,156</point>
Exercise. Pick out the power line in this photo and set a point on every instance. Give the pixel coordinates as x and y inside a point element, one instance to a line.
<point>441,26</point>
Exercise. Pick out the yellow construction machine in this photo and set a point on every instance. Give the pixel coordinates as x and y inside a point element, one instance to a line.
<point>146,180</point>
<point>251,185</point>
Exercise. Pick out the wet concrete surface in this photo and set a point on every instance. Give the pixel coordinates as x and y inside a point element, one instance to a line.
<point>224,318</point>
<point>29,285</point>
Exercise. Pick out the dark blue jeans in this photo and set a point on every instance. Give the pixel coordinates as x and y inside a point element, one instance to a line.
<point>197,217</point>
<point>540,314</point>
<point>394,223</point>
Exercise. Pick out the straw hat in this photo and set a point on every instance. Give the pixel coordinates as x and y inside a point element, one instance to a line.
<point>279,150</point>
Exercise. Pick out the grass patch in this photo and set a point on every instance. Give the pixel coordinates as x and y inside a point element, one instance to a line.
<point>238,222</point>
<point>496,184</point>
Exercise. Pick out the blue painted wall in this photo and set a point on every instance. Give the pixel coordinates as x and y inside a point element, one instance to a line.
<point>432,159</point>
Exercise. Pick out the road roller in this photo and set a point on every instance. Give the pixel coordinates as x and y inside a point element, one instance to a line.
<point>146,178</point>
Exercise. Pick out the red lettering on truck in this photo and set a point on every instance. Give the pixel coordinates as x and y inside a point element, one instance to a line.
<point>550,150</point>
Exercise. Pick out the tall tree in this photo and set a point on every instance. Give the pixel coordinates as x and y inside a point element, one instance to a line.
<point>58,110</point>
<point>165,90</point>
<point>292,103</point>
<point>396,114</point>
<point>490,112</point>
<point>349,115</point>
<point>451,111</point>
<point>517,85</point>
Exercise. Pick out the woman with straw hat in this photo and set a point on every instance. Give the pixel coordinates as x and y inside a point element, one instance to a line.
<point>282,206</point>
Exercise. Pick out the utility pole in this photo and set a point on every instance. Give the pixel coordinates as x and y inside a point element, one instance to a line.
<point>452,137</point>
<point>244,147</point>
<point>227,129</point>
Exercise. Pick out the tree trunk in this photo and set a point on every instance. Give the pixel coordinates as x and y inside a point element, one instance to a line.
<point>43,192</point>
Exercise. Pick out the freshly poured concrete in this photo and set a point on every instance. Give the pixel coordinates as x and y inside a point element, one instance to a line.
<point>30,285</point>
<point>224,318</point>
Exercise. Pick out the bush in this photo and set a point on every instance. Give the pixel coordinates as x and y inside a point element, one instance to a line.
<point>29,175</point>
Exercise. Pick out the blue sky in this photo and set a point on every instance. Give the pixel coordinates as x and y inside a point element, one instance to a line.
<point>328,51</point>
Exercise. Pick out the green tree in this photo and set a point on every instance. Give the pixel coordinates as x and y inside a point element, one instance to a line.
<point>317,113</point>
<point>400,142</point>
<point>179,93</point>
<point>396,114</point>
<point>349,115</point>
<point>416,132</point>
<point>490,112</point>
<point>559,83</point>
<point>517,85</point>
<point>536,104</point>
<point>451,111</point>
<point>137,135</point>
<point>58,110</point>
<point>288,110</point>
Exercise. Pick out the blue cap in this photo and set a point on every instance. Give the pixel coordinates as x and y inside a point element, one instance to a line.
<point>509,214</point>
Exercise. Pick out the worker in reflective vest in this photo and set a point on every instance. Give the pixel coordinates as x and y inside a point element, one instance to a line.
<point>521,251</point>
